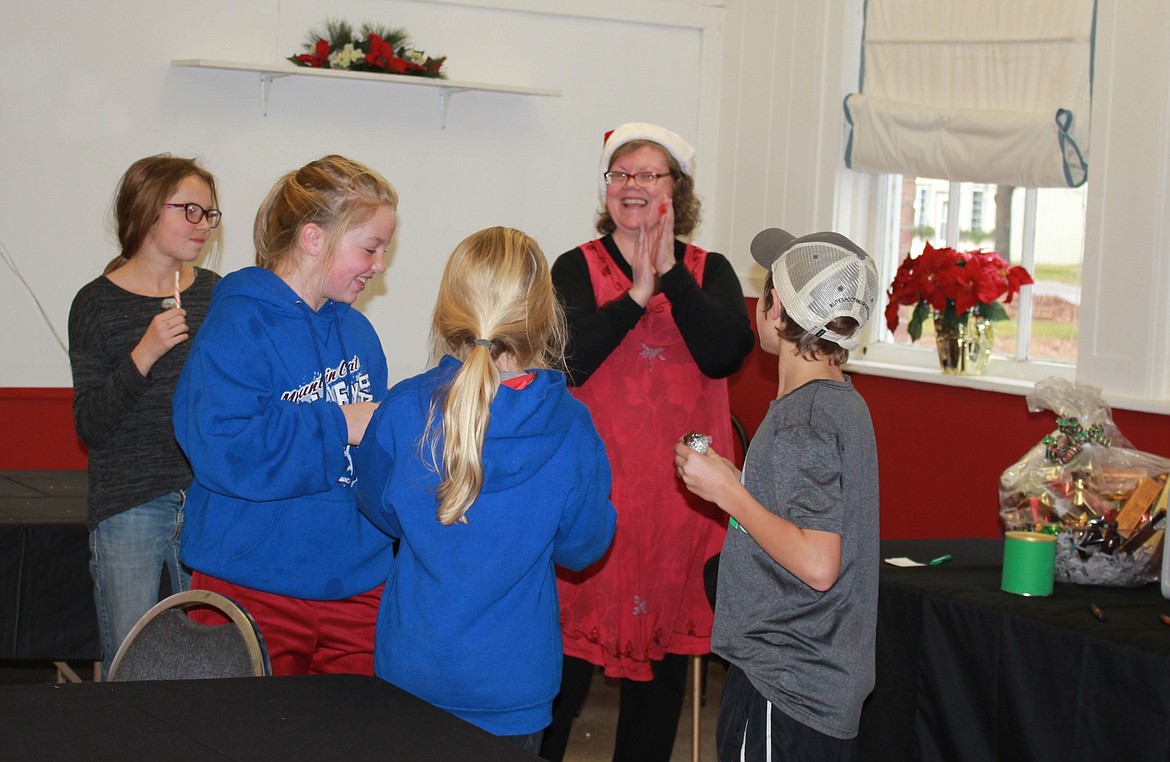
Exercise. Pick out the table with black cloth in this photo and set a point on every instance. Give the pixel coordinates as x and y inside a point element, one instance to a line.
<point>313,717</point>
<point>966,671</point>
<point>47,610</point>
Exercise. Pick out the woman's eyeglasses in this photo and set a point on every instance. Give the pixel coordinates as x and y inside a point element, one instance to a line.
<point>195,213</point>
<point>641,179</point>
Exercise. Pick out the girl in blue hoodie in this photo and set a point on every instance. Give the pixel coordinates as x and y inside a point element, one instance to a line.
<point>279,386</point>
<point>490,472</point>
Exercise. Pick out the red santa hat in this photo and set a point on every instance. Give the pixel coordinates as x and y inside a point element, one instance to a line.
<point>680,149</point>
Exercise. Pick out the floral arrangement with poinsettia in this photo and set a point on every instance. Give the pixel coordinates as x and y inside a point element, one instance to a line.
<point>946,283</point>
<point>376,48</point>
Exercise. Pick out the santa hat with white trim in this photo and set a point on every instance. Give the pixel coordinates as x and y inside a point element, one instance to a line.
<point>680,149</point>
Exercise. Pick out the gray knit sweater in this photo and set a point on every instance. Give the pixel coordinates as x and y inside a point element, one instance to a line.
<point>125,419</point>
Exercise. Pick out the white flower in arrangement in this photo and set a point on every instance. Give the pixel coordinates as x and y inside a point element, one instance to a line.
<point>414,56</point>
<point>345,57</point>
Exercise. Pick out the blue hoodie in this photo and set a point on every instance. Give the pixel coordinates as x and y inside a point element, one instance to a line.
<point>470,618</point>
<point>273,505</point>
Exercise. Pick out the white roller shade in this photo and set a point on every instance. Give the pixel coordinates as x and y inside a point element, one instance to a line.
<point>994,91</point>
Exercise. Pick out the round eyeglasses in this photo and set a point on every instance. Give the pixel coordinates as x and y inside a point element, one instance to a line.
<point>641,179</point>
<point>195,213</point>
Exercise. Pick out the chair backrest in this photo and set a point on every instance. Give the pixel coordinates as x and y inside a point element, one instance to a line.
<point>165,644</point>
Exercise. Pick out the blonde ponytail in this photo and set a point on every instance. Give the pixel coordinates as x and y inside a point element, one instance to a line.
<point>495,296</point>
<point>465,420</point>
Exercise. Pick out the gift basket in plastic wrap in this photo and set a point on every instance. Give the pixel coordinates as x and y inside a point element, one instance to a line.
<point>1086,484</point>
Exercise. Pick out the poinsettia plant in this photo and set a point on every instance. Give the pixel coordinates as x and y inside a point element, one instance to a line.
<point>376,48</point>
<point>947,283</point>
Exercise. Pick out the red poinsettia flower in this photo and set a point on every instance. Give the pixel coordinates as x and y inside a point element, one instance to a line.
<point>318,58</point>
<point>380,53</point>
<point>988,269</point>
<point>948,283</point>
<point>892,308</point>
<point>1015,276</point>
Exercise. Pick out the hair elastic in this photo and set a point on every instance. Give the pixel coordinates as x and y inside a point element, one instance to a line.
<point>483,342</point>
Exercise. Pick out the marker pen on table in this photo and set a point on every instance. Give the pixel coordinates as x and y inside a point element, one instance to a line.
<point>939,560</point>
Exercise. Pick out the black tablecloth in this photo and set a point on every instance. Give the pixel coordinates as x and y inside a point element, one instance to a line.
<point>319,717</point>
<point>46,594</point>
<point>968,672</point>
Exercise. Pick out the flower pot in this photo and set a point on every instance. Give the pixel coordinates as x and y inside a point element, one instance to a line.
<point>964,348</point>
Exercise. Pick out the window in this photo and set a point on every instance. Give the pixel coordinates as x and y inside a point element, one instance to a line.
<point>973,120</point>
<point>976,227</point>
<point>1042,229</point>
<point>922,215</point>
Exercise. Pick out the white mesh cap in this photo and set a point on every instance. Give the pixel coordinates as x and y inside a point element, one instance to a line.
<point>820,277</point>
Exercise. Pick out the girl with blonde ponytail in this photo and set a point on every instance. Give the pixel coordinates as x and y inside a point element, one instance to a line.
<point>497,312</point>
<point>490,473</point>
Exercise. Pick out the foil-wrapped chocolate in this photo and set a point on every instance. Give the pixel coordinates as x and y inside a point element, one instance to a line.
<point>697,442</point>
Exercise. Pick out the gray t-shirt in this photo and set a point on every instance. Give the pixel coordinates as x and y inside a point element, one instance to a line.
<point>813,461</point>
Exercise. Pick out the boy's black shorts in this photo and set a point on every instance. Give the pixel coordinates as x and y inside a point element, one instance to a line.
<point>751,729</point>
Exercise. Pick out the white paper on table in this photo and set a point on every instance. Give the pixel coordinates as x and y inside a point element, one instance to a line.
<point>903,561</point>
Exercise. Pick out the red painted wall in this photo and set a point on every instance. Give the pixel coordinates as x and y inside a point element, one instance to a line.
<point>36,431</point>
<point>941,449</point>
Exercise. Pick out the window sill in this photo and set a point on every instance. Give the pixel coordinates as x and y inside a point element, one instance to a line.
<point>987,382</point>
<point>994,380</point>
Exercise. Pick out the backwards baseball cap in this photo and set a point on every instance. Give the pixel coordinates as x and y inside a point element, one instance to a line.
<point>820,277</point>
<point>680,149</point>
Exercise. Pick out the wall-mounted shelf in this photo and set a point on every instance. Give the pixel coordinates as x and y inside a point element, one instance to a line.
<point>446,87</point>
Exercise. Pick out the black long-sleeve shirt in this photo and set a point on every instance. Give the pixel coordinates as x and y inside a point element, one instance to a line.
<point>713,319</point>
<point>123,416</point>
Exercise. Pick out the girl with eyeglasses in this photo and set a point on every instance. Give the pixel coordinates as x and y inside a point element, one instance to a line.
<point>129,334</point>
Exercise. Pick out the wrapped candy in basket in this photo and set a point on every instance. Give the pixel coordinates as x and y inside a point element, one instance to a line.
<point>1104,500</point>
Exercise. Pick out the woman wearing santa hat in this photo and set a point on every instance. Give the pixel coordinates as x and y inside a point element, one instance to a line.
<point>656,326</point>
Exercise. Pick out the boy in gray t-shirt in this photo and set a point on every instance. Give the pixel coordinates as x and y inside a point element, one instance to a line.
<point>796,604</point>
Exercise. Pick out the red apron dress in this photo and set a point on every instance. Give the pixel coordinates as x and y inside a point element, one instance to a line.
<point>645,597</point>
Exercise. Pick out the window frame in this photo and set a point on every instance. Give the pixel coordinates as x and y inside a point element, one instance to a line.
<point>919,361</point>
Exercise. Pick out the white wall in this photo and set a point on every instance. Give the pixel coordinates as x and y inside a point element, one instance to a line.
<point>788,66</point>
<point>1125,314</point>
<point>89,88</point>
<point>756,85</point>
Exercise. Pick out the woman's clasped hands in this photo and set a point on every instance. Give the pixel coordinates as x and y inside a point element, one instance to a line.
<point>653,252</point>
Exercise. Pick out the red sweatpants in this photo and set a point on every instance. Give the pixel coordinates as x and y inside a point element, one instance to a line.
<point>305,637</point>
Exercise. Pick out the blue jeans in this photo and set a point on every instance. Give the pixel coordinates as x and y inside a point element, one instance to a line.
<point>127,553</point>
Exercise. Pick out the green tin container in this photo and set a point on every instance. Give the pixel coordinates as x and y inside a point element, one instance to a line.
<point>1029,560</point>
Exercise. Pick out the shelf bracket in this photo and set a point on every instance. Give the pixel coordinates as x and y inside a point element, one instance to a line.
<point>445,102</point>
<point>266,79</point>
